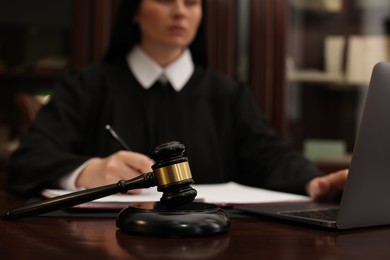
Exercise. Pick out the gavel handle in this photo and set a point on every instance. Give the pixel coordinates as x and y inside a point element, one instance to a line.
<point>75,198</point>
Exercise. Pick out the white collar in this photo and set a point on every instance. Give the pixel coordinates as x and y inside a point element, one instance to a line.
<point>147,71</point>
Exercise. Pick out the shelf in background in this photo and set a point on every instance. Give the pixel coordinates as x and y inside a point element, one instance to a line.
<point>31,73</point>
<point>314,76</point>
<point>338,81</point>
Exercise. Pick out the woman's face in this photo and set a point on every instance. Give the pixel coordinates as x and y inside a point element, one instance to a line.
<point>168,23</point>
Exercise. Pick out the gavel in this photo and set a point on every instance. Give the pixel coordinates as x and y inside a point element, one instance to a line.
<point>171,174</point>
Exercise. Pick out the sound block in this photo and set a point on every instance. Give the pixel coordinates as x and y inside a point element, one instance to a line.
<point>192,219</point>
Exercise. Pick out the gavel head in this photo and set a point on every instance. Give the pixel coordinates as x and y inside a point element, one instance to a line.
<point>172,174</point>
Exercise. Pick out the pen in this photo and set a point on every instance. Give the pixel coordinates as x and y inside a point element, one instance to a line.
<point>117,138</point>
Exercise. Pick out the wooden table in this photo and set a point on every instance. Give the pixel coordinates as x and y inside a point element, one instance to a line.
<point>248,238</point>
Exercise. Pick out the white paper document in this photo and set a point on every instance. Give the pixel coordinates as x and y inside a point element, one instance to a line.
<point>234,193</point>
<point>221,194</point>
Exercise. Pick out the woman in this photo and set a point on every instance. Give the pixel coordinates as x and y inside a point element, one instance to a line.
<point>149,89</point>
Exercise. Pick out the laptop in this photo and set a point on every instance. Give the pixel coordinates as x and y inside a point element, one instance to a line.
<point>365,201</point>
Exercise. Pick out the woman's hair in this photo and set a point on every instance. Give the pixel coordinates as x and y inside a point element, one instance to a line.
<point>126,34</point>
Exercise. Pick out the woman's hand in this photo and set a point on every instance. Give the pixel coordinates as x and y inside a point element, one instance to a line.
<point>328,187</point>
<point>122,165</point>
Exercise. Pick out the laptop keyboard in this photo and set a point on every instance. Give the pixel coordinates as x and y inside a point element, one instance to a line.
<point>321,214</point>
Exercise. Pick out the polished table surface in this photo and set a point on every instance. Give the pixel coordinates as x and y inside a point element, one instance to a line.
<point>249,238</point>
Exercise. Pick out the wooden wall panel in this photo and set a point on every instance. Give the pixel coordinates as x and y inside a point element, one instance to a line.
<point>267,59</point>
<point>221,28</point>
<point>82,19</point>
<point>92,21</point>
<point>104,17</point>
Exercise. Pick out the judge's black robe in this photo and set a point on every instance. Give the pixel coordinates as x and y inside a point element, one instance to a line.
<point>225,136</point>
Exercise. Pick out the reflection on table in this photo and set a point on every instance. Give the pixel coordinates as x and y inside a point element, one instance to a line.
<point>249,237</point>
